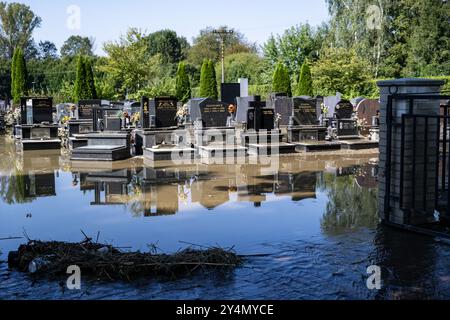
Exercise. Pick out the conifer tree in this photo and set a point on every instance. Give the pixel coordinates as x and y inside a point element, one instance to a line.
<point>208,82</point>
<point>19,76</point>
<point>183,85</point>
<point>281,82</point>
<point>305,84</point>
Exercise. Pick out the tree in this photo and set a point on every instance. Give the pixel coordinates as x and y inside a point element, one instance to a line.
<point>208,82</point>
<point>244,65</point>
<point>77,45</point>
<point>305,84</point>
<point>341,70</point>
<point>408,38</point>
<point>80,87</point>
<point>90,82</point>
<point>130,68</point>
<point>167,43</point>
<point>207,45</point>
<point>17,23</point>
<point>281,82</point>
<point>183,85</point>
<point>295,45</point>
<point>47,50</point>
<point>19,76</point>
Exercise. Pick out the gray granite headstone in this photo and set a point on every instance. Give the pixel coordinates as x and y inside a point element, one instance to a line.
<point>243,106</point>
<point>283,106</point>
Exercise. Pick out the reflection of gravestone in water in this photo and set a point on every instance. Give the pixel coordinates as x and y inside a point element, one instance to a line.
<point>40,185</point>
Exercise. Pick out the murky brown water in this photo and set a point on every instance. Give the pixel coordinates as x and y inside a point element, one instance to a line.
<point>310,220</point>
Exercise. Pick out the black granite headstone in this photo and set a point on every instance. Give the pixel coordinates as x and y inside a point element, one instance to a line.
<point>85,108</point>
<point>211,112</point>
<point>229,92</point>
<point>42,110</point>
<point>347,127</point>
<point>145,113</point>
<point>344,110</point>
<point>165,112</point>
<point>305,112</point>
<point>259,117</point>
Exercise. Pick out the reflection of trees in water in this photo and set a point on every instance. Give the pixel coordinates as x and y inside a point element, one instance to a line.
<point>350,206</point>
<point>12,188</point>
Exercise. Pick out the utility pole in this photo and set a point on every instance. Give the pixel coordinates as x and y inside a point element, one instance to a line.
<point>223,32</point>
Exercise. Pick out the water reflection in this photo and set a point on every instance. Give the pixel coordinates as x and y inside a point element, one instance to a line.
<point>352,194</point>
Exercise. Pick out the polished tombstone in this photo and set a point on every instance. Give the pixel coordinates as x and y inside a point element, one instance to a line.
<point>82,122</point>
<point>230,92</point>
<point>283,106</point>
<point>261,137</point>
<point>107,142</point>
<point>159,138</point>
<point>367,111</point>
<point>213,136</point>
<point>304,122</point>
<point>36,130</point>
<point>344,128</point>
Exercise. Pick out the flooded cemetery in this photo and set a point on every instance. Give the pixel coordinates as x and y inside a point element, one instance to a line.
<point>251,199</point>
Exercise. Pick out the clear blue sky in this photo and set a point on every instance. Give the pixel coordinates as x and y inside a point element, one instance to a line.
<point>107,20</point>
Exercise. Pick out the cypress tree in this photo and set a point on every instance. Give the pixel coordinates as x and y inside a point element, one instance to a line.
<point>281,82</point>
<point>305,84</point>
<point>80,88</point>
<point>13,72</point>
<point>19,76</point>
<point>183,85</point>
<point>213,81</point>
<point>91,92</point>
<point>208,82</point>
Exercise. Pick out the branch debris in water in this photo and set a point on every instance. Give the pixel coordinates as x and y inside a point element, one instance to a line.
<point>106,262</point>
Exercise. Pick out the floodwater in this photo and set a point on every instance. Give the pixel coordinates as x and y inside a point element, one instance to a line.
<point>308,225</point>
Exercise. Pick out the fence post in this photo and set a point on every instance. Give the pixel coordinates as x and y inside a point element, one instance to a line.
<point>419,166</point>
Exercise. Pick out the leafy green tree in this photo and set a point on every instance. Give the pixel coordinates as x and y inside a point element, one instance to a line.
<point>305,84</point>
<point>130,68</point>
<point>244,65</point>
<point>183,85</point>
<point>167,43</point>
<point>341,70</point>
<point>295,45</point>
<point>17,23</point>
<point>207,45</point>
<point>77,45</point>
<point>208,82</point>
<point>19,76</point>
<point>47,50</point>
<point>281,82</point>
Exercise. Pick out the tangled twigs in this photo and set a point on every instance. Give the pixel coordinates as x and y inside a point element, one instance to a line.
<point>106,262</point>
